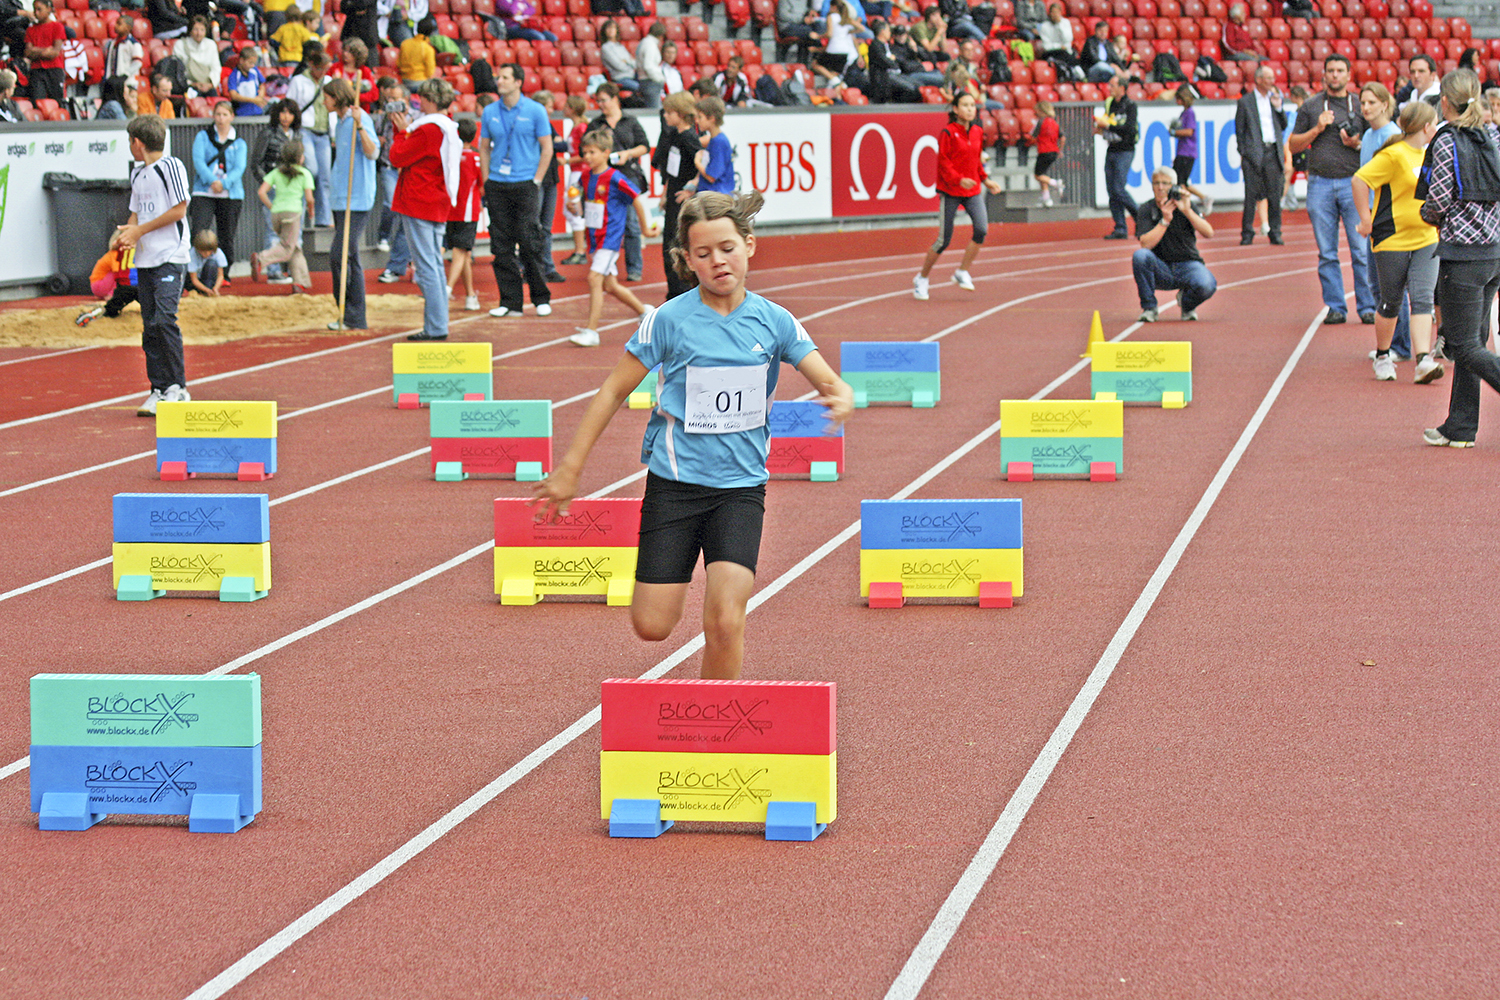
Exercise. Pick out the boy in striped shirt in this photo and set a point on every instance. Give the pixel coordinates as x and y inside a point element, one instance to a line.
<point>158,231</point>
<point>603,197</point>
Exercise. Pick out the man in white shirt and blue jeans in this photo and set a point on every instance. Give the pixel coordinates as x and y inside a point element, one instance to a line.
<point>158,231</point>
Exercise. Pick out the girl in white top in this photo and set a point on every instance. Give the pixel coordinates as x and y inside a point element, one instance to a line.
<point>838,49</point>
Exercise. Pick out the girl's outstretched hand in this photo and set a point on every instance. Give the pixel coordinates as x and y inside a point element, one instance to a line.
<point>838,397</point>
<point>553,495</point>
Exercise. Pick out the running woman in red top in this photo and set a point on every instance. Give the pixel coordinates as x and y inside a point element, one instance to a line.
<point>961,181</point>
<point>1048,145</point>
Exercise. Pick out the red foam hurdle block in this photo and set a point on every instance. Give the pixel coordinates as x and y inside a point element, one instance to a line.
<point>409,401</point>
<point>176,472</point>
<point>496,456</point>
<point>886,595</point>
<point>1101,472</point>
<point>252,472</point>
<point>1019,472</point>
<point>683,716</point>
<point>606,522</point>
<point>994,594</point>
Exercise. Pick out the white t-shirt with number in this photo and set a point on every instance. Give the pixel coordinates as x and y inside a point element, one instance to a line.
<point>154,190</point>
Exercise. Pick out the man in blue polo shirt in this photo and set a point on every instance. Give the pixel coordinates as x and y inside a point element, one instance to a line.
<point>515,148</point>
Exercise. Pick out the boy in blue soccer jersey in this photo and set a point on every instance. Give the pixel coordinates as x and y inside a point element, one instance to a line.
<point>720,348</point>
<point>604,196</point>
<point>716,161</point>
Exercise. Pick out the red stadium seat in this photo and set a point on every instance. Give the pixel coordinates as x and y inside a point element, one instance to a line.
<point>1188,27</point>
<point>1260,9</point>
<point>575,80</point>
<point>750,52</point>
<point>1409,47</point>
<point>724,48</point>
<point>1258,31</point>
<point>1456,47</point>
<point>1043,73</point>
<point>1299,50</point>
<point>1078,8</point>
<point>1194,9</point>
<point>1377,9</point>
<point>703,53</point>
<point>526,55</point>
<point>471,30</point>
<point>1187,52</point>
<point>1400,9</point>
<point>1438,50</point>
<point>1164,27</point>
<point>1388,50</point>
<point>1025,99</point>
<point>932,95</point>
<point>1279,29</point>
<point>1101,8</point>
<point>1354,9</point>
<point>1021,73</point>
<point>1209,47</point>
<point>1325,28</point>
<point>1001,95</point>
<point>1332,8</point>
<point>1168,8</point>
<point>1366,50</point>
<point>552,79</point>
<point>763,13</point>
<point>1090,92</point>
<point>1296,72</point>
<point>697,31</point>
<point>1371,29</point>
<point>1122,8</point>
<point>1459,28</point>
<point>1414,28</point>
<point>568,54</point>
<point>1421,8</point>
<point>1216,9</point>
<point>548,55</point>
<point>1146,8</point>
<point>1345,48</point>
<point>1301,28</point>
<point>1067,92</point>
<point>1321,49</point>
<point>1277,51</point>
<point>590,50</point>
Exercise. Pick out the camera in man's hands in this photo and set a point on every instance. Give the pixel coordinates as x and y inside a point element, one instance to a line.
<point>1175,193</point>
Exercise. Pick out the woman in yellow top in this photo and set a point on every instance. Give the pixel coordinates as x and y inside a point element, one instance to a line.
<point>417,60</point>
<point>300,28</point>
<point>1404,246</point>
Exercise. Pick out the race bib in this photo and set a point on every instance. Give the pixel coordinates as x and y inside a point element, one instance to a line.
<point>674,161</point>
<point>593,214</point>
<point>725,400</point>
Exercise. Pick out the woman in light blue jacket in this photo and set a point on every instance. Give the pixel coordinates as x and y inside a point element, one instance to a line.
<point>219,157</point>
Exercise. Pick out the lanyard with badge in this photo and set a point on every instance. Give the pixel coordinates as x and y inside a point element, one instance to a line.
<point>504,166</point>
<point>725,400</point>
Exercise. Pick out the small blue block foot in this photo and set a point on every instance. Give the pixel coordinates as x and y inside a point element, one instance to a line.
<point>136,588</point>
<point>239,590</point>
<point>450,472</point>
<point>66,811</point>
<point>793,821</point>
<point>215,813</point>
<point>637,818</point>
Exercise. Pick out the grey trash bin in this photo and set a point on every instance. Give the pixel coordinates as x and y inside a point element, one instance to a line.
<point>84,216</point>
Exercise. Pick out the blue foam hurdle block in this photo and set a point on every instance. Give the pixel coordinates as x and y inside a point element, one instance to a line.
<point>225,518</point>
<point>66,811</point>
<point>793,821</point>
<point>154,781</point>
<point>940,524</point>
<point>799,418</point>
<point>217,454</point>
<point>888,356</point>
<point>637,818</point>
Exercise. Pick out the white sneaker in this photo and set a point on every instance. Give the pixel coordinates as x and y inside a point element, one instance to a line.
<point>962,280</point>
<point>1147,316</point>
<point>148,405</point>
<point>471,304</point>
<point>545,309</point>
<point>1059,187</point>
<point>585,338</point>
<point>384,246</point>
<point>387,277</point>
<point>450,293</point>
<point>1046,202</point>
<point>284,280</point>
<point>175,393</point>
<point>1385,368</point>
<point>500,311</point>
<point>919,288</point>
<point>1428,370</point>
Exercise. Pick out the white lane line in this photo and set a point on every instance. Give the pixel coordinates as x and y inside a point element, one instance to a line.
<point>305,924</point>
<point>53,354</point>
<point>924,958</point>
<point>76,472</point>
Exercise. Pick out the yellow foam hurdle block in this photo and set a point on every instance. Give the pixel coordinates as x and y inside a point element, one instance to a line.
<point>441,358</point>
<point>192,565</point>
<point>732,787</point>
<point>216,419</point>
<point>940,572</point>
<point>524,574</point>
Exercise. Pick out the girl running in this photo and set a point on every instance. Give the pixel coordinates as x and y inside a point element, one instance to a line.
<point>721,348</point>
<point>1048,145</point>
<point>960,176</point>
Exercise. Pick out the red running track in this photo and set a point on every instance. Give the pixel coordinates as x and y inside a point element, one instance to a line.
<point>1284,788</point>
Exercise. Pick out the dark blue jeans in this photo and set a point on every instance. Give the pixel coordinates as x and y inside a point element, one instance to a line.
<point>1466,293</point>
<point>1152,273</point>
<point>160,289</point>
<point>1116,174</point>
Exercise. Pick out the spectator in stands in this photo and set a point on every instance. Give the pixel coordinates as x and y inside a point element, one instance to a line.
<point>1099,54</point>
<point>14,20</point>
<point>630,145</point>
<point>9,110</point>
<point>356,149</point>
<point>675,158</point>
<point>1425,85</point>
<point>276,14</point>
<point>1168,230</point>
<point>1329,126</point>
<point>44,40</point>
<point>1258,124</point>
<point>443,45</point>
<point>359,26</point>
<point>796,22</point>
<point>931,35</point>
<point>158,99</point>
<point>517,20</point>
<point>960,20</point>
<point>219,159</point>
<point>247,84</point>
<point>515,150</point>
<point>648,65</point>
<point>1120,129</point>
<point>1135,65</point>
<point>618,62</point>
<point>1492,98</point>
<point>1237,43</point>
<point>167,18</point>
<point>887,83</point>
<point>353,66</point>
<point>1468,224</point>
<point>671,76</point>
<point>406,18</point>
<point>427,152</point>
<point>200,57</point>
<point>733,84</point>
<point>1469,59</point>
<point>112,99</point>
<point>1055,43</point>
<point>961,181</point>
<point>292,35</point>
<point>1029,15</point>
<point>305,89</point>
<point>910,58</point>
<point>124,52</point>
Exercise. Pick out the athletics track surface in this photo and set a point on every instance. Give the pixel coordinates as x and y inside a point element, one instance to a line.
<point>1284,785</point>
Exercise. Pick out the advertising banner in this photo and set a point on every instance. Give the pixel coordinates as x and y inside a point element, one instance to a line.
<point>1217,172</point>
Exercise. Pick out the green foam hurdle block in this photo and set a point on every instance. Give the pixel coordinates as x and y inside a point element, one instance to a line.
<point>158,710</point>
<point>529,472</point>
<point>825,472</point>
<point>450,472</point>
<point>239,590</point>
<point>135,587</point>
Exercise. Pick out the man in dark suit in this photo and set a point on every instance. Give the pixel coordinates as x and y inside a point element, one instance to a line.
<point>1258,125</point>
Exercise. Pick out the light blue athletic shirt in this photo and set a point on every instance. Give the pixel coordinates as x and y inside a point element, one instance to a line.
<point>684,332</point>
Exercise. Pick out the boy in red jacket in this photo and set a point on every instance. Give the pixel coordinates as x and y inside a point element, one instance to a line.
<point>463,221</point>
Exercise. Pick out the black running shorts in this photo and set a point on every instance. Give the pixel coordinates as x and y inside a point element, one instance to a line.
<point>680,520</point>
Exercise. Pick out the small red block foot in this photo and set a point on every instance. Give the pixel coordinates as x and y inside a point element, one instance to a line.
<point>1018,472</point>
<point>994,594</point>
<point>886,595</point>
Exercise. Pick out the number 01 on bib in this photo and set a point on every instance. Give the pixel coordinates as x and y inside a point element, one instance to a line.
<point>726,400</point>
